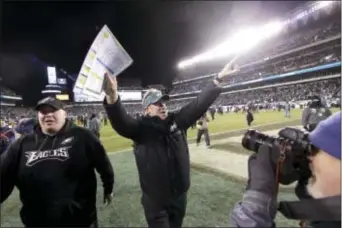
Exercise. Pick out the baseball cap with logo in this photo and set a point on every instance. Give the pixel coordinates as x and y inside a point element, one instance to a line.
<point>50,101</point>
<point>153,96</point>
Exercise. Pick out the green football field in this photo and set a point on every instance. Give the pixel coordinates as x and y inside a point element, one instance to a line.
<point>211,196</point>
<point>227,122</point>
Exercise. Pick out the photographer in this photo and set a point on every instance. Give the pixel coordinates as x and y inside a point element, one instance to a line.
<point>314,113</point>
<point>249,117</point>
<point>202,129</point>
<point>287,109</point>
<point>212,112</point>
<point>95,125</point>
<point>161,147</point>
<point>259,205</point>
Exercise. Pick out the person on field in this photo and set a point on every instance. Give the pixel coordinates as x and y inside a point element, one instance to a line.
<point>160,146</point>
<point>53,169</point>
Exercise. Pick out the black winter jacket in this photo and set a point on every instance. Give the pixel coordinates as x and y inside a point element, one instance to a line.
<point>55,176</point>
<point>160,146</point>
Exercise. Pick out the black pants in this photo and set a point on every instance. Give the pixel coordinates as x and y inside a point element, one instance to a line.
<point>167,215</point>
<point>204,132</point>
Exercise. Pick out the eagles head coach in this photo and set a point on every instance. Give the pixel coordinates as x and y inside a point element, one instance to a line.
<point>53,169</point>
<point>160,146</point>
<point>259,205</point>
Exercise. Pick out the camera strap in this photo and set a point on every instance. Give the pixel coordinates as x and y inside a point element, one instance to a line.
<point>280,164</point>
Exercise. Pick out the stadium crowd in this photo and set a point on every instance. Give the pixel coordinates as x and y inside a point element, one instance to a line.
<point>299,60</point>
<point>308,35</point>
<point>260,95</point>
<point>296,92</point>
<point>262,63</point>
<point>327,89</point>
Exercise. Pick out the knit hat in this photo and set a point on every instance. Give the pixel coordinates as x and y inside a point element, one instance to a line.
<point>327,135</point>
<point>152,96</point>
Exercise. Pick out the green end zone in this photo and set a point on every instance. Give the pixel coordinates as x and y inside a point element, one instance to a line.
<point>211,197</point>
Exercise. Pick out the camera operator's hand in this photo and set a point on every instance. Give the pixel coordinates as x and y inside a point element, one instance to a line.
<point>110,87</point>
<point>300,190</point>
<point>262,171</point>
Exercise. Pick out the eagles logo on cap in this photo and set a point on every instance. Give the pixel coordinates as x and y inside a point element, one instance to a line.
<point>50,101</point>
<point>153,96</point>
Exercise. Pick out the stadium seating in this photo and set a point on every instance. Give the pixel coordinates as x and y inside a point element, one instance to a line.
<point>314,45</point>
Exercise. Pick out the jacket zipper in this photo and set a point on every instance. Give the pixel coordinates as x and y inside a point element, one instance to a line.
<point>171,173</point>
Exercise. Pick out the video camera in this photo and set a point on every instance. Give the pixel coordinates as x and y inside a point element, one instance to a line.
<point>293,146</point>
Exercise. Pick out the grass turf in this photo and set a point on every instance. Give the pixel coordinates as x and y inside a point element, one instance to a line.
<point>227,122</point>
<point>211,196</point>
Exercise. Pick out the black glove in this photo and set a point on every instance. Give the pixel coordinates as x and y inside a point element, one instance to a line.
<point>301,191</point>
<point>262,171</point>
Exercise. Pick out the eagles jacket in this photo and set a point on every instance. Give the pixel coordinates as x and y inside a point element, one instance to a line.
<point>160,146</point>
<point>55,176</point>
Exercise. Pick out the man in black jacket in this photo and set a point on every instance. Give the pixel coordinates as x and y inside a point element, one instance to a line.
<point>161,148</point>
<point>53,169</point>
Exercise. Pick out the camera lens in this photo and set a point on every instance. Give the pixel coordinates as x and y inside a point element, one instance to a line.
<point>253,139</point>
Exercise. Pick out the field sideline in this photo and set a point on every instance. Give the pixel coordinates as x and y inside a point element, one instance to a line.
<point>211,196</point>
<point>227,122</point>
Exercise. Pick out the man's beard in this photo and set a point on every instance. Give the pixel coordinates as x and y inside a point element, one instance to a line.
<point>51,131</point>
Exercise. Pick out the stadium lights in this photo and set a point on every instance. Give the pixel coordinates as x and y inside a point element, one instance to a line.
<point>51,91</point>
<point>247,38</point>
<point>242,41</point>
<point>322,4</point>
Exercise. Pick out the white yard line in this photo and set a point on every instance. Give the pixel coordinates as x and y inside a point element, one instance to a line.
<point>219,133</point>
<point>228,163</point>
<point>110,137</point>
<point>119,151</point>
<point>261,125</point>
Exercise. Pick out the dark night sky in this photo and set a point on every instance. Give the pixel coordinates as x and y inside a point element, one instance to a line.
<point>156,34</point>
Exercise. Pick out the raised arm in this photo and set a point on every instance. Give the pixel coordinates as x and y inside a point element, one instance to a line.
<point>189,114</point>
<point>122,123</point>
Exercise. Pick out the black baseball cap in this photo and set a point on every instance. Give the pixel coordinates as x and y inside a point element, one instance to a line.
<point>50,101</point>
